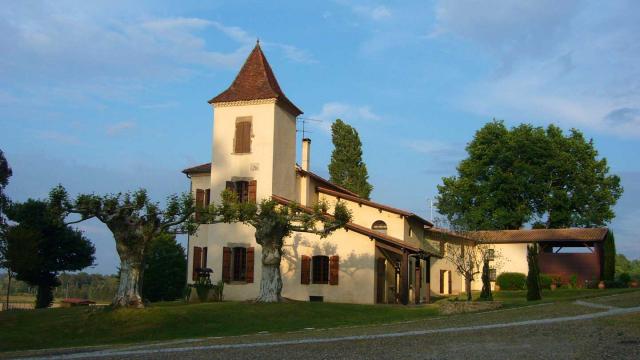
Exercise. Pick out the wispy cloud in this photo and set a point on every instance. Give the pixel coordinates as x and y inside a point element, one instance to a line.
<point>120,127</point>
<point>58,137</point>
<point>372,12</point>
<point>347,112</point>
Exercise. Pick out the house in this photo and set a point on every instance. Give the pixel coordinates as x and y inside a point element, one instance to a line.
<point>384,255</point>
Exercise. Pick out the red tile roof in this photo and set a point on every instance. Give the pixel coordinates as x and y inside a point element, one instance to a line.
<point>541,235</point>
<point>389,240</point>
<point>376,205</point>
<point>198,169</point>
<point>256,81</point>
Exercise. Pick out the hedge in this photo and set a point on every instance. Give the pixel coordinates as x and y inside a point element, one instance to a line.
<point>512,281</point>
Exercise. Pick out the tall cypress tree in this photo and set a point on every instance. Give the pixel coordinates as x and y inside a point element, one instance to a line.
<point>533,277</point>
<point>347,168</point>
<point>609,268</point>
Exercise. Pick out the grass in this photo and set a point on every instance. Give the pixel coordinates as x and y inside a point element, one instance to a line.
<point>81,326</point>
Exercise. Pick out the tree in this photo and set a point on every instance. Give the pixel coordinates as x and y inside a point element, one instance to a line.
<point>165,273</point>
<point>529,174</point>
<point>5,174</point>
<point>134,221</point>
<point>347,168</point>
<point>609,248</point>
<point>468,259</point>
<point>533,276</point>
<point>41,245</point>
<point>273,222</point>
<point>486,295</point>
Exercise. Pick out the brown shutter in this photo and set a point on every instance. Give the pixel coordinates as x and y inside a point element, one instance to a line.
<point>204,257</point>
<point>442,272</point>
<point>247,137</point>
<point>305,270</point>
<point>226,264</point>
<point>334,269</point>
<point>195,265</point>
<point>237,146</point>
<point>199,201</point>
<point>250,256</point>
<point>243,137</point>
<point>253,190</point>
<point>207,197</point>
<point>449,274</point>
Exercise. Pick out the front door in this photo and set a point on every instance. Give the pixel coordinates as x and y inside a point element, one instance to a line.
<point>381,275</point>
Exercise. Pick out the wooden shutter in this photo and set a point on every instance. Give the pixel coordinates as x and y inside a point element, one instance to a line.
<point>305,270</point>
<point>197,260</point>
<point>204,257</point>
<point>207,197</point>
<point>199,201</point>
<point>442,272</point>
<point>253,190</point>
<point>250,259</point>
<point>226,264</point>
<point>449,275</point>
<point>243,136</point>
<point>334,269</point>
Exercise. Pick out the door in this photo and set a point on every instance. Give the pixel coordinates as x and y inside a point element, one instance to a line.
<point>381,274</point>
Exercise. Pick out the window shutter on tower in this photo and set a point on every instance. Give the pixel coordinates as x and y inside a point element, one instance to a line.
<point>250,259</point>
<point>243,136</point>
<point>199,202</point>
<point>305,270</point>
<point>226,264</point>
<point>253,190</point>
<point>195,265</point>
<point>334,269</point>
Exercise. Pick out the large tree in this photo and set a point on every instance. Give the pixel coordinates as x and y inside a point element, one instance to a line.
<point>273,222</point>
<point>347,168</point>
<point>165,273</point>
<point>134,221</point>
<point>5,174</point>
<point>40,246</point>
<point>529,174</point>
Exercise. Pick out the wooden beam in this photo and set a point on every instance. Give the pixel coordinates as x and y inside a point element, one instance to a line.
<point>404,278</point>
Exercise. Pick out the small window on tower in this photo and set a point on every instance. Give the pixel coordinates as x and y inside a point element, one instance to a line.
<point>242,139</point>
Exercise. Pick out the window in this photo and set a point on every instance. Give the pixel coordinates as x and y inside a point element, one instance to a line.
<point>320,269</point>
<point>242,140</point>
<point>492,274</point>
<point>491,254</point>
<point>379,226</point>
<point>239,266</point>
<point>244,189</point>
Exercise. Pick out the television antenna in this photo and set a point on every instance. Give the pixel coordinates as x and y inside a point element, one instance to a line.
<point>304,121</point>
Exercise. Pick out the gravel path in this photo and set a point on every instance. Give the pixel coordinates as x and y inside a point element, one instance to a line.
<point>612,333</point>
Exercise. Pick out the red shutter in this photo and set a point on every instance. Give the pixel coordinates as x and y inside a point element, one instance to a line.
<point>207,197</point>
<point>195,265</point>
<point>253,190</point>
<point>199,201</point>
<point>247,137</point>
<point>226,264</point>
<point>204,257</point>
<point>305,270</point>
<point>334,269</point>
<point>250,259</point>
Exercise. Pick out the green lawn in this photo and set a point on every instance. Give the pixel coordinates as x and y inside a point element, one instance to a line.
<point>50,328</point>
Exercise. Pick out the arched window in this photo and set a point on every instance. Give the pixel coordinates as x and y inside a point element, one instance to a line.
<point>379,226</point>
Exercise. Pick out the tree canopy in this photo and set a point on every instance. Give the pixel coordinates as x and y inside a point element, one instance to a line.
<point>529,174</point>
<point>347,168</point>
<point>41,245</point>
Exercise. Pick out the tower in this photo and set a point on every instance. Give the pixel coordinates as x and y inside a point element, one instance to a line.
<point>254,134</point>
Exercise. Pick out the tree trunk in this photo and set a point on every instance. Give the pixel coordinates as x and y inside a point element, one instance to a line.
<point>271,281</point>
<point>128,294</point>
<point>467,287</point>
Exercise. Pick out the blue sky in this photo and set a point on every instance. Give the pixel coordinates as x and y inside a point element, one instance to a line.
<point>108,96</point>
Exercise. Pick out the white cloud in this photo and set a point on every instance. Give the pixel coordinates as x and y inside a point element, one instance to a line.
<point>369,11</point>
<point>347,112</point>
<point>119,127</point>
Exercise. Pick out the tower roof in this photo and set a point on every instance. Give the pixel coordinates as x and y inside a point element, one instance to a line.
<point>256,81</point>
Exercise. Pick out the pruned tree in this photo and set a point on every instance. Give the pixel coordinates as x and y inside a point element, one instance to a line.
<point>134,220</point>
<point>273,221</point>
<point>485,294</point>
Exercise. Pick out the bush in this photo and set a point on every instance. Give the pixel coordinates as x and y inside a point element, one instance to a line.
<point>625,279</point>
<point>573,281</point>
<point>545,281</point>
<point>614,284</point>
<point>512,281</point>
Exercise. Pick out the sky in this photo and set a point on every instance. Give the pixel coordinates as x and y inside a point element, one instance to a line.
<point>109,96</point>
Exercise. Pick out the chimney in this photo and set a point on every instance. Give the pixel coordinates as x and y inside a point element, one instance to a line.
<point>306,153</point>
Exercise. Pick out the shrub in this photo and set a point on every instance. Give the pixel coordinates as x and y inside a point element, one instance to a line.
<point>573,281</point>
<point>614,284</point>
<point>512,281</point>
<point>545,281</point>
<point>624,278</point>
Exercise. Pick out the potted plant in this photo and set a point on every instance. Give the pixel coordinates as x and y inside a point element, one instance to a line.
<point>601,285</point>
<point>633,283</point>
<point>203,284</point>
